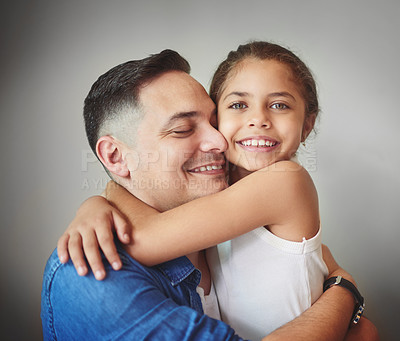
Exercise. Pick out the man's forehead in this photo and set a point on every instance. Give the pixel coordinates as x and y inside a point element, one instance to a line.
<point>174,93</point>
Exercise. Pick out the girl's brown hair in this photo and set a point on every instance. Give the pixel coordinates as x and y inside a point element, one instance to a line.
<point>268,51</point>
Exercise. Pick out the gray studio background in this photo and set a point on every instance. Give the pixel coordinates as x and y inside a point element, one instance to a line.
<point>52,51</point>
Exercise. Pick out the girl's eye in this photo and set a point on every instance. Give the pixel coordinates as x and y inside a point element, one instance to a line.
<point>279,106</point>
<point>238,106</point>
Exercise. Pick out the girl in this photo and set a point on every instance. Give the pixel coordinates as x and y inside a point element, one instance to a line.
<point>267,105</point>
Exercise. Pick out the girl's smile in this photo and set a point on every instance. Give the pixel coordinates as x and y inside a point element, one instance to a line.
<point>258,143</point>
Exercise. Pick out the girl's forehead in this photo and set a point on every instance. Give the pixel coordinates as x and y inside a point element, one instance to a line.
<point>267,72</point>
<point>261,65</point>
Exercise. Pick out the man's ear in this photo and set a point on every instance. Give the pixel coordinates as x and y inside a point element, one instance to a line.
<point>308,125</point>
<point>110,152</point>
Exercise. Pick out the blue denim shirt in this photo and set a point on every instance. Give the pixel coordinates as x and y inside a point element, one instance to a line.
<point>134,303</point>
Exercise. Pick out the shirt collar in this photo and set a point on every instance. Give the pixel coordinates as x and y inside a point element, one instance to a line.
<point>179,269</point>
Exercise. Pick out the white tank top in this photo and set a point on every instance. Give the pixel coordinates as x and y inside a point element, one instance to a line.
<point>263,281</point>
<point>209,302</point>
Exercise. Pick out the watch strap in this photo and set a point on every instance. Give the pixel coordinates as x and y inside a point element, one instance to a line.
<point>360,305</point>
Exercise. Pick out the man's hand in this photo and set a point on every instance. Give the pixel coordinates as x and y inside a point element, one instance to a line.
<point>92,230</point>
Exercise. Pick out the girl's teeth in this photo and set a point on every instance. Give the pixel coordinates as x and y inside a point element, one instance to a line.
<point>258,143</point>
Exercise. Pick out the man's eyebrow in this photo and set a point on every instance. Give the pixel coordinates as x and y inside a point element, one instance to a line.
<point>178,116</point>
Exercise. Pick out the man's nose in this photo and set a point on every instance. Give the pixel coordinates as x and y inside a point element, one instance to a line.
<point>213,141</point>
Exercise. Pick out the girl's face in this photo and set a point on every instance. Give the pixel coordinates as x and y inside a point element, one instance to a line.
<point>261,113</point>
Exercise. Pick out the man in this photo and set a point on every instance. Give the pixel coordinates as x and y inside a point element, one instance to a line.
<point>152,125</point>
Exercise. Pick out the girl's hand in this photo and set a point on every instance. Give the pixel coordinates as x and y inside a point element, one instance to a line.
<point>90,231</point>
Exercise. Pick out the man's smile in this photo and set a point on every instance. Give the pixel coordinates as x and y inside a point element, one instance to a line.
<point>211,168</point>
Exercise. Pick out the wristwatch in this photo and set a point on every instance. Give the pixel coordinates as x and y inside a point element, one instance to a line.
<point>360,306</point>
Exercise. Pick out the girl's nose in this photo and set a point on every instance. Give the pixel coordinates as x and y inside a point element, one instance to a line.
<point>259,119</point>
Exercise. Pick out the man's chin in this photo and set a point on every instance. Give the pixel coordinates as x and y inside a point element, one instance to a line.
<point>186,191</point>
<point>211,187</point>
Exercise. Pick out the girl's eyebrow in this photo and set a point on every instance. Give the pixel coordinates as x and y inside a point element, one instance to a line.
<point>236,93</point>
<point>282,94</point>
<point>273,94</point>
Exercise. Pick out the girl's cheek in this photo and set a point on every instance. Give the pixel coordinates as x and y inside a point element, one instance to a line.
<point>227,123</point>
<point>222,126</point>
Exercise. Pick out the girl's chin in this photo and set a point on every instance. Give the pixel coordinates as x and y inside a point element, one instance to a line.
<point>258,164</point>
<point>252,162</point>
<point>250,167</point>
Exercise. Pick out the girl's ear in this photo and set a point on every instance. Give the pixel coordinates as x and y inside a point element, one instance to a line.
<point>308,125</point>
<point>110,152</point>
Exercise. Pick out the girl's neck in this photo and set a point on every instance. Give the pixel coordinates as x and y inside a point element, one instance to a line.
<point>236,173</point>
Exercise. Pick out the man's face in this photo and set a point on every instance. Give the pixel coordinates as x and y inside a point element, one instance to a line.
<point>178,155</point>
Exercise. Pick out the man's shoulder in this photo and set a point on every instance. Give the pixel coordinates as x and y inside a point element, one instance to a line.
<point>52,266</point>
<point>68,298</point>
<point>57,271</point>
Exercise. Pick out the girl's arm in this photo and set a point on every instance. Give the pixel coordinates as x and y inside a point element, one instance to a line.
<point>281,196</point>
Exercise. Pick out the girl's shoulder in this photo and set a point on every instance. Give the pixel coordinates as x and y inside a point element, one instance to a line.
<point>296,199</point>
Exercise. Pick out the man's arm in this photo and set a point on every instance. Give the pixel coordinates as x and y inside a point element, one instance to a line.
<point>327,319</point>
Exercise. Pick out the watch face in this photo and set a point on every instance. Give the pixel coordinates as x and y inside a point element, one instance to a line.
<point>358,314</point>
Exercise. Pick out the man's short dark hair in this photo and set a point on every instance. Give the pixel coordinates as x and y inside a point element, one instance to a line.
<point>119,88</point>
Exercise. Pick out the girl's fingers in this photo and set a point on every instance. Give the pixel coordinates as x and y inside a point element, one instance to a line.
<point>62,248</point>
<point>105,239</point>
<point>92,253</point>
<point>76,253</point>
<point>122,228</point>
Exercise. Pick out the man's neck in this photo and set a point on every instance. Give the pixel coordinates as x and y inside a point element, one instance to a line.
<point>199,261</point>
